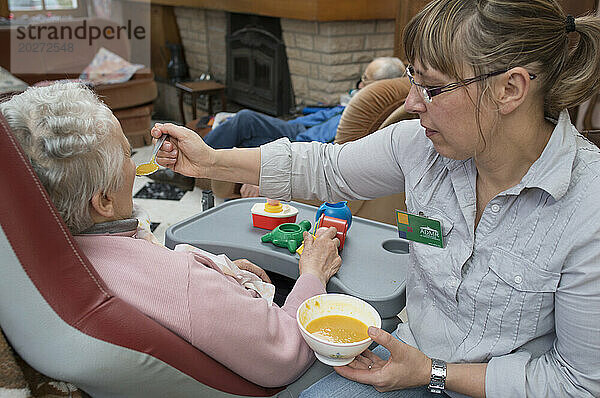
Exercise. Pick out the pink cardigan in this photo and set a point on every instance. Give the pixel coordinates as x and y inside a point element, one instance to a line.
<point>183,292</point>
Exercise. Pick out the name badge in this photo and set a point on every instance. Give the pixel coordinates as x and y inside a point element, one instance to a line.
<point>419,229</point>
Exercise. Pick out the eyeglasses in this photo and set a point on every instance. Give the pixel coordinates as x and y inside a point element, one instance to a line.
<point>364,79</point>
<point>429,92</point>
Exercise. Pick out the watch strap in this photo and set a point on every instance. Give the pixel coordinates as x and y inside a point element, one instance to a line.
<point>437,382</point>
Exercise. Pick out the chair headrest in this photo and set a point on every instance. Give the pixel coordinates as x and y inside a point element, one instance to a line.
<point>370,106</point>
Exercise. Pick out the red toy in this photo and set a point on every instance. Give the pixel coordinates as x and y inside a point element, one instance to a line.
<point>340,225</point>
<point>272,214</point>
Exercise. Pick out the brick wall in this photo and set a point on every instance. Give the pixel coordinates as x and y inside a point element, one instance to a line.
<point>193,29</point>
<point>217,30</point>
<point>325,58</point>
<point>203,38</point>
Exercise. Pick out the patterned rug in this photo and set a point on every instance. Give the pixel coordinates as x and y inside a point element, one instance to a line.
<point>19,380</point>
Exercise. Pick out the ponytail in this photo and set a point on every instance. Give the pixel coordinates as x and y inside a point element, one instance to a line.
<point>579,78</point>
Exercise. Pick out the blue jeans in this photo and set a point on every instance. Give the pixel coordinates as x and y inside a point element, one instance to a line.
<point>248,129</point>
<point>336,386</point>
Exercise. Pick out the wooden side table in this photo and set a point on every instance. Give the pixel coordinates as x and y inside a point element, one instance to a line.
<point>203,87</point>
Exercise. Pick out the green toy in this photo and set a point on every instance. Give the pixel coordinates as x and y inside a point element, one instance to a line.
<point>287,235</point>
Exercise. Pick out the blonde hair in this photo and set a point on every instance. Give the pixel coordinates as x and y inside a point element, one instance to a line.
<point>492,35</point>
<point>65,131</point>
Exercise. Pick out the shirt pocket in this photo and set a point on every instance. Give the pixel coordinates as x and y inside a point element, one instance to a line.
<point>514,303</point>
<point>434,262</point>
<point>521,274</point>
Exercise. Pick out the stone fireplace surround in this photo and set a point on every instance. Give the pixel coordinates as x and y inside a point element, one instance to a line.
<point>325,58</point>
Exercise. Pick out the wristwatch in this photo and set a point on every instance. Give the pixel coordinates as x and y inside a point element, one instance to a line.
<point>437,383</point>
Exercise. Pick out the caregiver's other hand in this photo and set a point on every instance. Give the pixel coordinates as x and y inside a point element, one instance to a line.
<point>320,255</point>
<point>183,151</point>
<point>248,265</point>
<point>407,367</point>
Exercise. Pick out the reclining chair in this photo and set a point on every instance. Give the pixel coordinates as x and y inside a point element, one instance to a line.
<point>376,106</point>
<point>62,320</point>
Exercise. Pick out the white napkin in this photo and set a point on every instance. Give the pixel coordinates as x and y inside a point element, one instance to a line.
<point>228,267</point>
<point>143,229</point>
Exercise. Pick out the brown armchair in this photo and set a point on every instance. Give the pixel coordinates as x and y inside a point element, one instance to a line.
<point>373,107</point>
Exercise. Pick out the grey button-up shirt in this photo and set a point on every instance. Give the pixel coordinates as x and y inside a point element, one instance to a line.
<point>521,292</point>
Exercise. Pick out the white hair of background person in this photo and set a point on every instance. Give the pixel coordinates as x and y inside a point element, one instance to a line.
<point>66,131</point>
<point>389,68</point>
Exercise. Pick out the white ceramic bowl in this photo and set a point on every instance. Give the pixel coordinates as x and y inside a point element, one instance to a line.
<point>336,354</point>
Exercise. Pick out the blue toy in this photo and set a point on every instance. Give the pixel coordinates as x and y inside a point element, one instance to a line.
<point>336,210</point>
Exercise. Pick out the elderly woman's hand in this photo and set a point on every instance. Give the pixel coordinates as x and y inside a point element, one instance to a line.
<point>248,265</point>
<point>184,151</point>
<point>320,255</point>
<point>406,367</point>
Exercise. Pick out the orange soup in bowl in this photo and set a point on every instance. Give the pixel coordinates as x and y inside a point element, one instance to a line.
<point>338,329</point>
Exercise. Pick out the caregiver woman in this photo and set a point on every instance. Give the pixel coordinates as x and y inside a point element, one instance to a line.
<point>510,306</point>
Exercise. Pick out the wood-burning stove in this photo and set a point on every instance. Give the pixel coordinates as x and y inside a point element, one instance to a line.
<point>257,70</point>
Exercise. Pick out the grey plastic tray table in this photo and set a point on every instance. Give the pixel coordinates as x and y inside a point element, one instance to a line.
<point>374,259</point>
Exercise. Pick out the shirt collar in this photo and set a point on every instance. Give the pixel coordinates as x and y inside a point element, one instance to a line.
<point>126,227</point>
<point>552,170</point>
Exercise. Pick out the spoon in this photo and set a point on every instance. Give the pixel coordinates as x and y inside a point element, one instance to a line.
<point>145,169</point>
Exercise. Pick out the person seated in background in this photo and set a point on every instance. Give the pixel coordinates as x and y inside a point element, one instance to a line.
<point>80,154</point>
<point>249,129</point>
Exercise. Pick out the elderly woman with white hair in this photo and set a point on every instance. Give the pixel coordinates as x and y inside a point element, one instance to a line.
<point>83,159</point>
